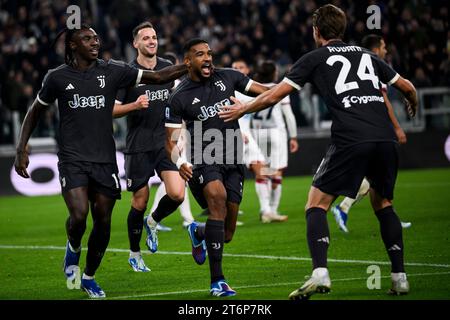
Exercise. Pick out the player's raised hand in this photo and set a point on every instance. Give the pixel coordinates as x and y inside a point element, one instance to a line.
<point>232,112</point>
<point>21,163</point>
<point>141,102</point>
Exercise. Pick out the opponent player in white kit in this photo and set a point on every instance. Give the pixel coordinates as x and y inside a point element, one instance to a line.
<point>271,128</point>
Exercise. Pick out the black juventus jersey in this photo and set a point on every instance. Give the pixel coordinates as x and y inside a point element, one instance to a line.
<point>348,79</point>
<point>146,126</point>
<point>85,103</point>
<point>198,104</point>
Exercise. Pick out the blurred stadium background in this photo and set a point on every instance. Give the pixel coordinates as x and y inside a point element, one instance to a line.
<point>416,33</point>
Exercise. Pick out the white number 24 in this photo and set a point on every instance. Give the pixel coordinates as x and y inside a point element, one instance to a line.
<point>365,64</point>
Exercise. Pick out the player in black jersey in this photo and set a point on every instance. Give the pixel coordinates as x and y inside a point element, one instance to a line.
<point>214,169</point>
<point>363,139</point>
<point>85,88</point>
<point>145,106</point>
<point>376,44</point>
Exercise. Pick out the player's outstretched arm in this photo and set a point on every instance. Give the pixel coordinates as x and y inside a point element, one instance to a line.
<point>264,100</point>
<point>174,154</point>
<point>164,75</point>
<point>28,125</point>
<point>409,92</point>
<point>121,110</point>
<point>256,89</point>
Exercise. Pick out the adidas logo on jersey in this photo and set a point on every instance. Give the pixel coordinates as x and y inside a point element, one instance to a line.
<point>196,100</point>
<point>70,87</point>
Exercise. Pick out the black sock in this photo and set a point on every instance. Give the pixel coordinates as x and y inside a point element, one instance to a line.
<point>214,236</point>
<point>165,207</point>
<point>318,236</point>
<point>391,233</point>
<point>200,231</point>
<point>75,230</point>
<point>97,244</point>
<point>135,223</point>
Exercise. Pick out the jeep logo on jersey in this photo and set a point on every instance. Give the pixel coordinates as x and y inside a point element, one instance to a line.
<point>157,95</point>
<point>220,85</point>
<point>102,81</point>
<point>211,111</point>
<point>348,101</point>
<point>83,102</point>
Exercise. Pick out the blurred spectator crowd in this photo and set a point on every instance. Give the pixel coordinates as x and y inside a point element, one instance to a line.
<point>416,33</point>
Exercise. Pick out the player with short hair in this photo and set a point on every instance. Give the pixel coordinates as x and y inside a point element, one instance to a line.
<point>377,45</point>
<point>363,141</point>
<point>214,168</point>
<point>85,88</point>
<point>268,127</point>
<point>144,106</point>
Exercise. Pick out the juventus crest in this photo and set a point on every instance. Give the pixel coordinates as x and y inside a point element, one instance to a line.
<point>102,81</point>
<point>221,85</point>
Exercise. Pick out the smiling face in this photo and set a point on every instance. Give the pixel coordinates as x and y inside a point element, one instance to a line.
<point>199,61</point>
<point>86,44</point>
<point>146,42</point>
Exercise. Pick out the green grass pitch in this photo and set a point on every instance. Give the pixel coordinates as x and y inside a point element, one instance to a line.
<point>264,261</point>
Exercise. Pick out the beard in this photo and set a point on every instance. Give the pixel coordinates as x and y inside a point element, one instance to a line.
<point>147,54</point>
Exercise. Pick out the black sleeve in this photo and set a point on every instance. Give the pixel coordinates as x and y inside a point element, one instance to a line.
<point>126,76</point>
<point>121,95</point>
<point>174,113</point>
<point>301,71</point>
<point>47,94</point>
<point>241,82</point>
<point>385,72</point>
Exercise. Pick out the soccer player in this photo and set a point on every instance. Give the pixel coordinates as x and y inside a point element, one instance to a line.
<point>144,106</point>
<point>214,170</point>
<point>376,44</point>
<point>269,129</point>
<point>185,207</point>
<point>363,142</point>
<point>85,88</point>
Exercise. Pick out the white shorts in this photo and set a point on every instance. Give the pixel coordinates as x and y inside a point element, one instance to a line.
<point>252,153</point>
<point>273,145</point>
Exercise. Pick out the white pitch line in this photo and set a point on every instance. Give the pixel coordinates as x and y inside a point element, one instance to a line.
<point>251,256</point>
<point>281,284</point>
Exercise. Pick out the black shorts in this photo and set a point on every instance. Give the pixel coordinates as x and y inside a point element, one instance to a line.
<point>140,167</point>
<point>98,177</point>
<point>232,177</point>
<point>343,169</point>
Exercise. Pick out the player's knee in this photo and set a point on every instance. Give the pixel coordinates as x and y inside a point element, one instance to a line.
<point>177,196</point>
<point>139,203</point>
<point>217,198</point>
<point>78,214</point>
